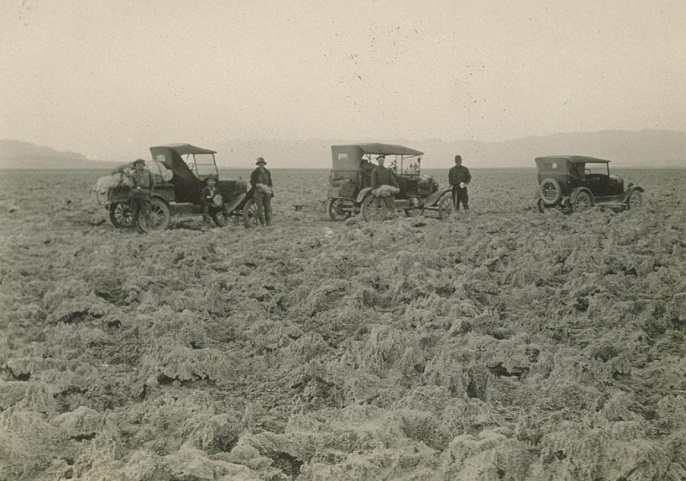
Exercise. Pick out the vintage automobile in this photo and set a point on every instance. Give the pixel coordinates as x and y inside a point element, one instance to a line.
<point>350,183</point>
<point>576,183</point>
<point>179,171</point>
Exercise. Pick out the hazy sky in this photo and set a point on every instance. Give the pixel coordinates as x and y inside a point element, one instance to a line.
<point>109,78</point>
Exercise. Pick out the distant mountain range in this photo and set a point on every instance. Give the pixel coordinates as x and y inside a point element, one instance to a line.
<point>645,148</point>
<point>15,154</point>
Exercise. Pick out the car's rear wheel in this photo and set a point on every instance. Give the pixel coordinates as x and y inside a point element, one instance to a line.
<point>121,215</point>
<point>582,202</point>
<point>157,217</point>
<point>373,209</point>
<point>635,199</point>
<point>334,207</point>
<point>445,207</point>
<point>550,191</point>
<point>250,217</point>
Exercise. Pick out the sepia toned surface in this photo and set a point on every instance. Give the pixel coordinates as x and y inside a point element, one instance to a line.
<point>505,344</point>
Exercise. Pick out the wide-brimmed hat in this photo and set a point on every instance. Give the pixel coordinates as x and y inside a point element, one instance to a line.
<point>381,157</point>
<point>211,176</point>
<point>138,161</point>
<point>260,160</point>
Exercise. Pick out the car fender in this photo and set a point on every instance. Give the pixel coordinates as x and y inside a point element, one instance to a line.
<point>434,199</point>
<point>153,195</point>
<point>362,194</point>
<point>575,193</point>
<point>236,202</point>
<point>627,193</point>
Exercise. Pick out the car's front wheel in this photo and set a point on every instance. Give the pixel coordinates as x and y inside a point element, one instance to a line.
<point>445,207</point>
<point>582,202</point>
<point>250,217</point>
<point>635,199</point>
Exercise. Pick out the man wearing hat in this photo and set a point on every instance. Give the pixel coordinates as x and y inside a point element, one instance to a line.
<point>261,182</point>
<point>384,176</point>
<point>143,182</point>
<point>458,178</point>
<point>211,199</point>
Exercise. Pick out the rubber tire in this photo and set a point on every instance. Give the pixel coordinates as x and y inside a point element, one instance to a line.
<point>120,215</point>
<point>333,209</point>
<point>445,207</point>
<point>547,200</point>
<point>582,202</point>
<point>161,214</point>
<point>250,218</point>
<point>373,209</point>
<point>635,200</point>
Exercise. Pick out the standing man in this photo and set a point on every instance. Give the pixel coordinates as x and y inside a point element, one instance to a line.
<point>143,182</point>
<point>261,182</point>
<point>458,178</point>
<point>384,176</point>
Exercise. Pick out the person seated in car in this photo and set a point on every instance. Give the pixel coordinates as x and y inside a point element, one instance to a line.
<point>367,169</point>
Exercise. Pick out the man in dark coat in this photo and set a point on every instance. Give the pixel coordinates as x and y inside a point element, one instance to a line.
<point>384,176</point>
<point>261,182</point>
<point>458,178</point>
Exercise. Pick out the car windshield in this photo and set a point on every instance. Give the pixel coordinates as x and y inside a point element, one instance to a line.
<point>202,164</point>
<point>596,169</point>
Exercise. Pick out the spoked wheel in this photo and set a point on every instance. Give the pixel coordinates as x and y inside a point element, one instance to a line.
<point>335,208</point>
<point>250,217</point>
<point>582,202</point>
<point>373,209</point>
<point>155,217</point>
<point>445,207</point>
<point>635,199</point>
<point>121,215</point>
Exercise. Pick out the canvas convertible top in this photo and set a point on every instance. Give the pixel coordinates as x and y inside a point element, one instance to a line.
<point>181,149</point>
<point>383,149</point>
<point>575,159</point>
<point>172,157</point>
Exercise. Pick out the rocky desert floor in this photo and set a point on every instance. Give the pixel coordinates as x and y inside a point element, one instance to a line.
<point>500,345</point>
